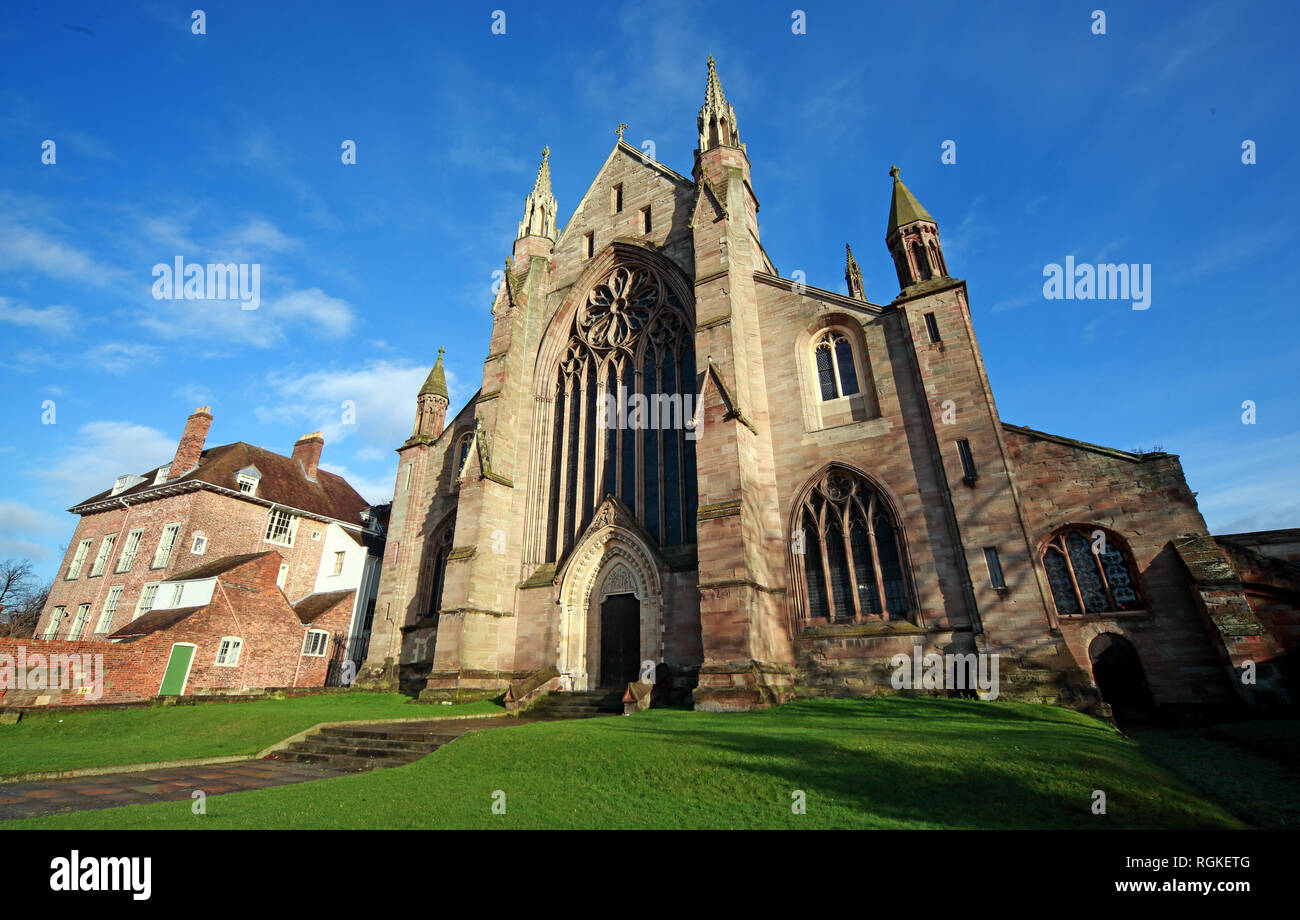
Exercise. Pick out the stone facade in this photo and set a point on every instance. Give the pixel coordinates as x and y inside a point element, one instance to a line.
<point>850,490</point>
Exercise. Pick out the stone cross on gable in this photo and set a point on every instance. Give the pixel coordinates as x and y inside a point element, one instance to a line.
<point>622,126</point>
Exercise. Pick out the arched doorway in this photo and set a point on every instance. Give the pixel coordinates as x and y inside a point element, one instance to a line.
<point>620,641</point>
<point>612,573</point>
<point>1118,674</point>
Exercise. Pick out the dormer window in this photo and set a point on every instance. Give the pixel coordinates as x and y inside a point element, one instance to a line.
<point>161,476</point>
<point>125,482</point>
<point>247,479</point>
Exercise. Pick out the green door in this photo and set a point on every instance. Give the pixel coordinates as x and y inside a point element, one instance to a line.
<point>178,671</point>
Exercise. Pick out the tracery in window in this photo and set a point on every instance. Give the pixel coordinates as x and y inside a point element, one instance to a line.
<point>852,564</point>
<point>1089,573</point>
<point>632,339</point>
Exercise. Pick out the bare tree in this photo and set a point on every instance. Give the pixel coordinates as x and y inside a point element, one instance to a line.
<point>21,598</point>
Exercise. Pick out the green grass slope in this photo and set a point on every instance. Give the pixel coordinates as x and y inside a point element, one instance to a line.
<point>885,763</point>
<point>45,741</point>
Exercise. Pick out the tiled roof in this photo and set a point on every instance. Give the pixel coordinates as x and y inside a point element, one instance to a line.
<point>218,566</point>
<point>155,620</point>
<point>283,482</point>
<point>312,606</point>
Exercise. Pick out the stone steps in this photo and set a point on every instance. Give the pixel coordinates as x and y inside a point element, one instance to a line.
<point>370,747</point>
<point>577,705</point>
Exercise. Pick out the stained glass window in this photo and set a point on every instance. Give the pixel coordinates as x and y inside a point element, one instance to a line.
<point>1090,573</point>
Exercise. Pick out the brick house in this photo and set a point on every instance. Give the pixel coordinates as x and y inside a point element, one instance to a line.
<point>226,627</point>
<point>154,541</point>
<point>838,489</point>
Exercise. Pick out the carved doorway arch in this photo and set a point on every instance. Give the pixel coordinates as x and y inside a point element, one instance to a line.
<point>611,559</point>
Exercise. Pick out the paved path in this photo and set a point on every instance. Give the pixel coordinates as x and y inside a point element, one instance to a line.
<point>172,784</point>
<point>49,797</point>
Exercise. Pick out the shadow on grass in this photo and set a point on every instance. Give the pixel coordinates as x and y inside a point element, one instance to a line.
<point>1263,791</point>
<point>938,763</point>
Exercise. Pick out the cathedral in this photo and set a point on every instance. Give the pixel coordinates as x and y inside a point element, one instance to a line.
<point>684,468</point>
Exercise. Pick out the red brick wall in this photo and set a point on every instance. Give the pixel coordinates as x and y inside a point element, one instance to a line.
<point>232,526</point>
<point>246,604</point>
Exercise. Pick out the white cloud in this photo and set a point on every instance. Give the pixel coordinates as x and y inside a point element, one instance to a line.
<point>1246,485</point>
<point>120,357</point>
<point>376,491</point>
<point>56,320</point>
<point>208,320</point>
<point>257,236</point>
<point>314,307</point>
<point>383,395</point>
<point>28,249</point>
<point>101,452</point>
<point>24,530</point>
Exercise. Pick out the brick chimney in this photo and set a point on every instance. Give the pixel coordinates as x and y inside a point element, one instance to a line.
<point>191,444</point>
<point>307,452</point>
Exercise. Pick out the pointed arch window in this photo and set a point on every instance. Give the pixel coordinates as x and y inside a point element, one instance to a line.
<point>618,418</point>
<point>436,555</point>
<point>936,259</point>
<point>922,263</point>
<point>1090,571</point>
<point>852,565</point>
<point>835,365</point>
<point>462,452</point>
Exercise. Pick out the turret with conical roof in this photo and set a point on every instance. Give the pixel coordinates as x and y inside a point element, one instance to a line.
<point>912,237</point>
<point>431,403</point>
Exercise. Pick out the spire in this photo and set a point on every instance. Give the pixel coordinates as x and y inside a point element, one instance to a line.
<point>717,121</point>
<point>904,208</point>
<point>853,274</point>
<point>436,383</point>
<point>539,209</point>
<point>913,238</point>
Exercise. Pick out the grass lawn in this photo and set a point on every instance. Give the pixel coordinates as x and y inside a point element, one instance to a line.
<point>1277,737</point>
<point>1262,790</point>
<point>885,763</point>
<point>100,738</point>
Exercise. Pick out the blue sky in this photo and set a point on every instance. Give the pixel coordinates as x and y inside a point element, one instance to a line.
<point>226,147</point>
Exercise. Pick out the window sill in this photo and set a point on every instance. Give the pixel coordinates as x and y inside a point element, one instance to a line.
<point>866,626</point>
<point>1104,615</point>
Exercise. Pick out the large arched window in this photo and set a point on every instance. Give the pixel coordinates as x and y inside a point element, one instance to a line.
<point>852,563</point>
<point>837,371</point>
<point>1089,572</point>
<point>631,350</point>
<point>435,559</point>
